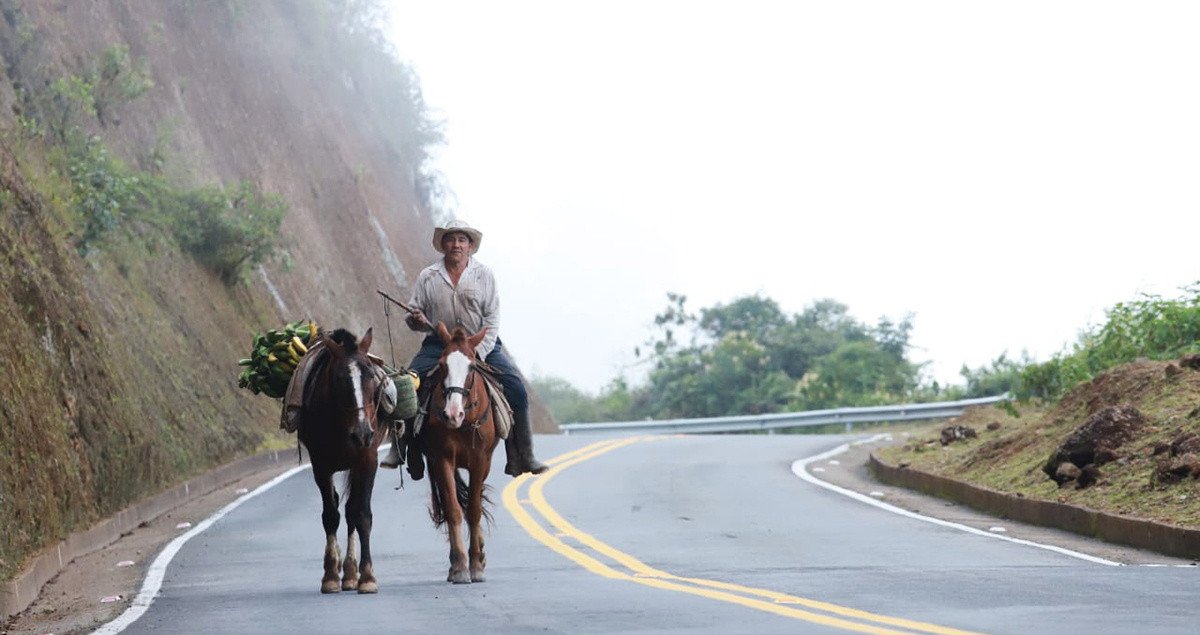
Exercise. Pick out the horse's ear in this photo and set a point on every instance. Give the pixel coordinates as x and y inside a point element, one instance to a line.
<point>332,346</point>
<point>443,334</point>
<point>365,343</point>
<point>475,339</point>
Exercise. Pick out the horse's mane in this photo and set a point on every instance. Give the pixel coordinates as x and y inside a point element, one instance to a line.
<point>347,340</point>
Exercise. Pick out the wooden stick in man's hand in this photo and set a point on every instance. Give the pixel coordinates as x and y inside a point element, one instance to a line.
<point>395,301</point>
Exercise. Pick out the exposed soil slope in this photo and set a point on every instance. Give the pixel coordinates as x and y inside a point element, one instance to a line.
<point>1121,425</point>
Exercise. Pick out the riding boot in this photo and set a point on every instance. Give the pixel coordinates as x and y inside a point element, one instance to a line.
<point>416,460</point>
<point>395,456</point>
<point>519,446</point>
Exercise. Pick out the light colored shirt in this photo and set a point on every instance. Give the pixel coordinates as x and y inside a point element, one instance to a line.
<point>472,305</point>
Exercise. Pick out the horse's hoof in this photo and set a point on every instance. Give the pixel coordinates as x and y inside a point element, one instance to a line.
<point>477,576</point>
<point>368,587</point>
<point>349,584</point>
<point>330,586</point>
<point>459,577</point>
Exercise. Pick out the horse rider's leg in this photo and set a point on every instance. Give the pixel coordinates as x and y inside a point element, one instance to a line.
<point>518,447</point>
<point>363,487</point>
<point>425,360</point>
<point>416,457</point>
<point>478,559</point>
<point>442,471</point>
<point>330,519</point>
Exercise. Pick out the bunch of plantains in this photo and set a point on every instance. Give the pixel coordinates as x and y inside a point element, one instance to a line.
<point>274,357</point>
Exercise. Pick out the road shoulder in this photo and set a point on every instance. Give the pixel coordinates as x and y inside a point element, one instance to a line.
<point>94,589</point>
<point>850,470</point>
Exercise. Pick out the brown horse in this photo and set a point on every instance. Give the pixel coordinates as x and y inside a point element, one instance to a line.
<point>460,434</point>
<point>339,430</point>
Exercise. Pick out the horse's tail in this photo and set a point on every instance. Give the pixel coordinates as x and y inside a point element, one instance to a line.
<point>462,491</point>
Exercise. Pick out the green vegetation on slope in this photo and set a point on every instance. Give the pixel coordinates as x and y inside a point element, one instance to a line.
<point>1150,327</point>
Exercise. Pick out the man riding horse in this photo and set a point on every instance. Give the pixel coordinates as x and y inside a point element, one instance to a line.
<point>460,292</point>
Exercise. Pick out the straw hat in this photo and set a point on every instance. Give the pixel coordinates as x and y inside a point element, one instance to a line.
<point>456,225</point>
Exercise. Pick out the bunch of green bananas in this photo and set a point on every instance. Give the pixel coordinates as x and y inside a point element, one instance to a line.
<point>274,355</point>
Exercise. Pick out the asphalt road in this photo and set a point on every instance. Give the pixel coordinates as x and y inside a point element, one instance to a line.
<point>699,534</point>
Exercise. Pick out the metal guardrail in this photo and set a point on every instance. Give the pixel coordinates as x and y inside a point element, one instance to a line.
<point>775,421</point>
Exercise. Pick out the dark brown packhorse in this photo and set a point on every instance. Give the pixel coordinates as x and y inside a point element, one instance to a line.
<point>460,434</point>
<point>340,431</point>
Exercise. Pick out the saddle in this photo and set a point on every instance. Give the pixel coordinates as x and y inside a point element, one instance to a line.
<point>300,387</point>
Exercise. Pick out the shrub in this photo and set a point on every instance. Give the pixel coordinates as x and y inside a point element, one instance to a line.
<point>101,189</point>
<point>225,231</point>
<point>116,79</point>
<point>1151,327</point>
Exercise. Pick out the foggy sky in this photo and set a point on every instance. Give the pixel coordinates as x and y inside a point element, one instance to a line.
<point>1004,171</point>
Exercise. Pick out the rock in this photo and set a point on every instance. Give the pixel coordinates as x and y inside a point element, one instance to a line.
<point>954,433</point>
<point>1089,475</point>
<point>1174,470</point>
<point>1104,454</point>
<point>1173,370</point>
<point>1191,360</point>
<point>993,426</point>
<point>1066,473</point>
<point>1186,443</point>
<point>1109,429</point>
<point>1185,466</point>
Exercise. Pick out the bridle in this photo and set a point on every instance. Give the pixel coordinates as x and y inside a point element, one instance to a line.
<point>465,390</point>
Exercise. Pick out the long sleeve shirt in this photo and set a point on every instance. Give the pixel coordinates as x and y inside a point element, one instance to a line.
<point>472,305</point>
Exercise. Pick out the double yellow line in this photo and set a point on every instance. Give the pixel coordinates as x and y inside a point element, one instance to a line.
<point>622,566</point>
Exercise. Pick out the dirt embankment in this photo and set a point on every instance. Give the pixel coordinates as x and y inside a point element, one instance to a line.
<point>120,366</point>
<point>1124,443</point>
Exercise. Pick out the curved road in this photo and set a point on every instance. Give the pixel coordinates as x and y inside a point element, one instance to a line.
<point>695,534</point>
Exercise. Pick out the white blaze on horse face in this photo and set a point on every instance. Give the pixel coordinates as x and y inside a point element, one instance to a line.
<point>356,383</point>
<point>457,368</point>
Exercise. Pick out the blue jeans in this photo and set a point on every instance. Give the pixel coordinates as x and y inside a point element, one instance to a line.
<point>514,389</point>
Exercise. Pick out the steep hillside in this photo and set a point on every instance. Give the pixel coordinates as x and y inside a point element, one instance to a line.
<point>120,355</point>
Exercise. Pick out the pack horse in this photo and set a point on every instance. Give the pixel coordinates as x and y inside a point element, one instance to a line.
<point>340,430</point>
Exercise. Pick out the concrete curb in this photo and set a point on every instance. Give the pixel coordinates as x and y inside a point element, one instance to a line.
<point>16,595</point>
<point>1135,532</point>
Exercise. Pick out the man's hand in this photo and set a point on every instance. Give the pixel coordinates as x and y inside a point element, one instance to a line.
<point>417,322</point>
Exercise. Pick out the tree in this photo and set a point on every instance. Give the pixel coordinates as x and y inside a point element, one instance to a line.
<point>751,314</point>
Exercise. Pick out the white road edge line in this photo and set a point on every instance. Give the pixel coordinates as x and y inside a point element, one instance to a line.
<point>158,569</point>
<point>799,468</point>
